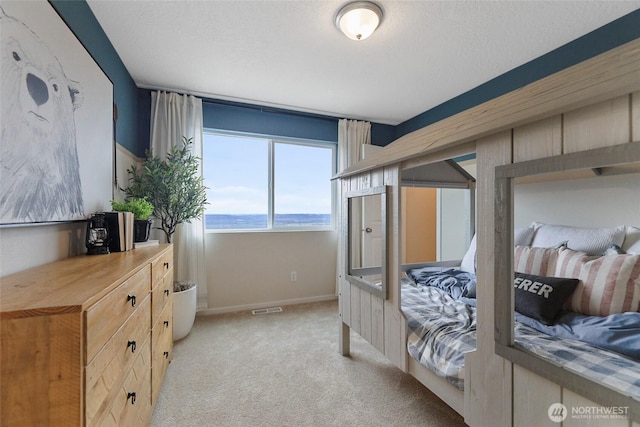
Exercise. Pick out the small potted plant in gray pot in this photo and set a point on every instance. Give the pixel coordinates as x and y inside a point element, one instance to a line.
<point>177,191</point>
<point>141,210</point>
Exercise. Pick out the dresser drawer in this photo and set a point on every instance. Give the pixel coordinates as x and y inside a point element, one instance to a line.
<point>107,370</point>
<point>107,315</point>
<point>131,404</point>
<point>162,347</point>
<point>161,266</point>
<point>161,295</point>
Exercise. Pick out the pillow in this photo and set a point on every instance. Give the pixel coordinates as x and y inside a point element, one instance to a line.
<point>523,236</point>
<point>538,261</point>
<point>593,241</point>
<point>540,297</point>
<point>469,260</point>
<point>631,243</point>
<point>608,284</point>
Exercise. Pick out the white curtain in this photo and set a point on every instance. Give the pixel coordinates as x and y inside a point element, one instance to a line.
<point>352,135</point>
<point>172,117</point>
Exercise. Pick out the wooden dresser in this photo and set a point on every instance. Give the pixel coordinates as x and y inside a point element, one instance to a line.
<point>86,340</point>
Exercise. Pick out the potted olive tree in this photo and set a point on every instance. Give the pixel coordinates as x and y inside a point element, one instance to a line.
<point>178,194</point>
<point>141,210</point>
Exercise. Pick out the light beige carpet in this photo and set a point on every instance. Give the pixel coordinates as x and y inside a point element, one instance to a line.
<point>284,369</point>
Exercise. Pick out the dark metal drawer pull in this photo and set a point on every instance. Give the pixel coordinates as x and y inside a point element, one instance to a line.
<point>132,298</point>
<point>166,265</point>
<point>132,396</point>
<point>166,323</point>
<point>132,344</point>
<point>166,354</point>
<point>166,292</point>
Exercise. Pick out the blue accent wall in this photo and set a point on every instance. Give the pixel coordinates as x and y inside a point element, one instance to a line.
<point>268,121</point>
<point>78,16</point>
<point>607,37</point>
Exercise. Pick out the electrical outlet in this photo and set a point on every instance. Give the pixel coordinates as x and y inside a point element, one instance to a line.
<point>294,276</point>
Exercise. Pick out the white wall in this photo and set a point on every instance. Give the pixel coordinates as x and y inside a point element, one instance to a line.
<point>453,219</point>
<point>591,202</point>
<point>253,270</point>
<point>25,247</point>
<point>22,248</point>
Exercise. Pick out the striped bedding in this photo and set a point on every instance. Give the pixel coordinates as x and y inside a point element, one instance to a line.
<point>442,329</point>
<point>605,367</point>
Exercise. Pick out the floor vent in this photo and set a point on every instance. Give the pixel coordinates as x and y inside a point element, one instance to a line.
<point>267,310</point>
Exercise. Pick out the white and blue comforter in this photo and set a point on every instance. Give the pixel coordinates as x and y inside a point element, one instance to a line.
<point>443,328</point>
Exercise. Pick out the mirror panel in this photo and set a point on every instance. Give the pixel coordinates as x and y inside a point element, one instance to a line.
<point>366,240</point>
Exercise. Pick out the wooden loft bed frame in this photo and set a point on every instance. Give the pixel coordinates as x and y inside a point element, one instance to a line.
<point>498,389</point>
<point>440,174</point>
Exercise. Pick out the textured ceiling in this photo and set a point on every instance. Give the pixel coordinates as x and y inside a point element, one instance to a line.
<point>289,54</point>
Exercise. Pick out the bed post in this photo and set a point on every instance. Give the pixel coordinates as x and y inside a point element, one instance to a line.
<point>345,339</point>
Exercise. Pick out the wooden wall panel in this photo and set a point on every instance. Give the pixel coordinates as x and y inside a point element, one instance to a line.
<point>344,332</point>
<point>395,336</point>
<point>377,323</point>
<point>604,124</point>
<point>538,140</point>
<point>345,302</point>
<point>365,315</point>
<point>488,375</point>
<point>343,285</point>
<point>635,116</point>
<point>532,396</point>
<point>355,308</point>
<point>394,321</point>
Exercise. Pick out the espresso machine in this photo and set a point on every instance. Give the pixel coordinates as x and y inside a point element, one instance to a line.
<point>98,239</point>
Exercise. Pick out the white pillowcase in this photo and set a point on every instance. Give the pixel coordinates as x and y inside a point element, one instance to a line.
<point>523,236</point>
<point>593,241</point>
<point>631,243</point>
<point>469,260</point>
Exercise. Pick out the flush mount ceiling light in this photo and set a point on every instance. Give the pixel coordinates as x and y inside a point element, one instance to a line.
<point>359,19</point>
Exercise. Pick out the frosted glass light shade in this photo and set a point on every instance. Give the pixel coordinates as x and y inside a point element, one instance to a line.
<point>358,20</point>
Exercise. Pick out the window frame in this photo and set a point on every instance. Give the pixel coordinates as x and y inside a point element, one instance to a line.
<point>271,144</point>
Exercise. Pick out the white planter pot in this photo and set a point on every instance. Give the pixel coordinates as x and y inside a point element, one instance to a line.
<point>184,312</point>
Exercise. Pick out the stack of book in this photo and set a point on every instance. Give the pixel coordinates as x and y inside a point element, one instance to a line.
<point>120,227</point>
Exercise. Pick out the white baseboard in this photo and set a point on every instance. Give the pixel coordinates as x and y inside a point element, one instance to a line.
<point>249,307</point>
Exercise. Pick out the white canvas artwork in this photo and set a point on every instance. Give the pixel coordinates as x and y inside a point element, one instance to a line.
<point>56,147</point>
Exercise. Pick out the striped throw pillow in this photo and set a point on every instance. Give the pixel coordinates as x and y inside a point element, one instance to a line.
<point>608,284</point>
<point>536,261</point>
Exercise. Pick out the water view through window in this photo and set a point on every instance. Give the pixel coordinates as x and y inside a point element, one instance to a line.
<point>252,179</point>
<point>248,221</point>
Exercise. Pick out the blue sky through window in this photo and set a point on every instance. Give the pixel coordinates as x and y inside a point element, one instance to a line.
<point>235,169</point>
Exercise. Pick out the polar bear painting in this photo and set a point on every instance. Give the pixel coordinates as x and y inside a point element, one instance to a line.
<point>39,167</point>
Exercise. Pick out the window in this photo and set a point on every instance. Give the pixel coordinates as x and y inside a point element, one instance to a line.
<point>259,183</point>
